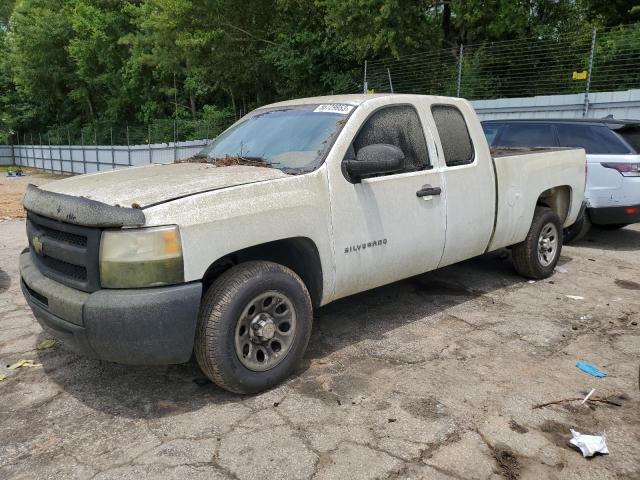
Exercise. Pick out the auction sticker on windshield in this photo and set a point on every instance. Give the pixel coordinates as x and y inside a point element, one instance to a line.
<point>342,108</point>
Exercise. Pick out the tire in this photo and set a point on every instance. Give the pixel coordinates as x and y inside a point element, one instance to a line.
<point>237,318</point>
<point>527,256</point>
<point>578,230</point>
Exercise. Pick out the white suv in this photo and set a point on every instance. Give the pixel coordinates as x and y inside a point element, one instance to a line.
<point>613,159</point>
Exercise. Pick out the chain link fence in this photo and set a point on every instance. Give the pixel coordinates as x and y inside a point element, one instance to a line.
<point>104,133</point>
<point>99,146</point>
<point>577,62</point>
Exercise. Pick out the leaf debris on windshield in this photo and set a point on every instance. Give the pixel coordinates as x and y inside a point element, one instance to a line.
<point>226,161</point>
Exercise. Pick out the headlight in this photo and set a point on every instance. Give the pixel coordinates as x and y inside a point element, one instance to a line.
<point>141,257</point>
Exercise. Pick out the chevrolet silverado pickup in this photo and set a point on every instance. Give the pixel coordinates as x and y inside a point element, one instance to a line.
<point>297,204</point>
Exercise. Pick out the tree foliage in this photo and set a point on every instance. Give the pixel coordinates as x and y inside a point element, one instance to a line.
<point>76,62</point>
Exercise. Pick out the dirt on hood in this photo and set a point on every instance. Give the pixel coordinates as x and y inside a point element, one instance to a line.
<point>151,184</point>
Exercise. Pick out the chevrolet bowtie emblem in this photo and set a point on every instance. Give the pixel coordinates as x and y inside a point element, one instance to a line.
<point>37,244</point>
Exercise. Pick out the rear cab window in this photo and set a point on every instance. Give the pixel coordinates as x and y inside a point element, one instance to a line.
<point>454,135</point>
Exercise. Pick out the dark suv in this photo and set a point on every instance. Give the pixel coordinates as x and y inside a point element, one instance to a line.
<point>613,160</point>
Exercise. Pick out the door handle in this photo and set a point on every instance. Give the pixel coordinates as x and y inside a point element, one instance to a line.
<point>428,191</point>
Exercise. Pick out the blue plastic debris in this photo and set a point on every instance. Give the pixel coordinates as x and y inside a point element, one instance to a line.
<point>591,369</point>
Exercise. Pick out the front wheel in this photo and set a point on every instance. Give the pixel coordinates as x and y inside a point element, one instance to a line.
<point>253,327</point>
<point>538,254</point>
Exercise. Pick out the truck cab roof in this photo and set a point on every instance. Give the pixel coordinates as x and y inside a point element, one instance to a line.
<point>351,99</point>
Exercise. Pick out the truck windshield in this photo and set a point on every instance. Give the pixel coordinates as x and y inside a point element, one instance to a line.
<point>294,139</point>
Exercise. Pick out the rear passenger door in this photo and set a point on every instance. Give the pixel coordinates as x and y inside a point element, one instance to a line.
<point>469,181</point>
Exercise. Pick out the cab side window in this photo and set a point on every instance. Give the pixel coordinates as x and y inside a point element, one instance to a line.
<point>399,126</point>
<point>454,135</point>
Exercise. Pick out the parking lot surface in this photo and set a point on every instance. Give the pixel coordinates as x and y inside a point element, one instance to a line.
<point>433,377</point>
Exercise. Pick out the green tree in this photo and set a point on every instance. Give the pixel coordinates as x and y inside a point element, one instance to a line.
<point>41,68</point>
<point>98,58</point>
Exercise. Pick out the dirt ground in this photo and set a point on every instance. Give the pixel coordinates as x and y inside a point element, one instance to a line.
<point>12,189</point>
<point>434,377</point>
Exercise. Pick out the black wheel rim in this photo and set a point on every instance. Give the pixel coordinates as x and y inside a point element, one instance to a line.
<point>265,331</point>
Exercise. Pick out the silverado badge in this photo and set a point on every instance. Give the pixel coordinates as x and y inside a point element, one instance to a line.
<point>36,243</point>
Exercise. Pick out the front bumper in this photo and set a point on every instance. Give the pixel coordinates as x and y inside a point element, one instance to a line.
<point>150,326</point>
<point>615,215</point>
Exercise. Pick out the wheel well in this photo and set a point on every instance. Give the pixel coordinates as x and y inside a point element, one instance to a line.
<point>299,254</point>
<point>557,199</point>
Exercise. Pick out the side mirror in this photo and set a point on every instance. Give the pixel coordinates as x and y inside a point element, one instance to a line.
<point>374,159</point>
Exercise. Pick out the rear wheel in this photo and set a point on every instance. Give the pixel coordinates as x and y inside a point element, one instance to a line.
<point>578,230</point>
<point>254,326</point>
<point>538,254</point>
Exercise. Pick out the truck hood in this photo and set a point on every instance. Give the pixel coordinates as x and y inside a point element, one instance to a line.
<point>153,184</point>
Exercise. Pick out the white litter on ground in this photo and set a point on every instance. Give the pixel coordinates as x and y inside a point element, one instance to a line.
<point>589,445</point>
<point>588,396</point>
<point>560,269</point>
<point>574,297</point>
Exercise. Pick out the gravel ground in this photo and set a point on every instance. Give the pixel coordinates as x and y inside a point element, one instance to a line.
<point>12,189</point>
<point>434,377</point>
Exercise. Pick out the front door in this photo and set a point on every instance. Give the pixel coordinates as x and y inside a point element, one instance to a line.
<point>391,226</point>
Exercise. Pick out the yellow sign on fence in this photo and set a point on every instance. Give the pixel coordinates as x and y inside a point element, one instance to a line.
<point>580,75</point>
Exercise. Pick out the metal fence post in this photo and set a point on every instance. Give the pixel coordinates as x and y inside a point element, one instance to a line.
<point>95,138</point>
<point>175,136</point>
<point>50,151</point>
<point>365,85</point>
<point>588,85</point>
<point>128,146</point>
<point>13,150</point>
<point>59,150</point>
<point>33,151</point>
<point>113,157</point>
<point>149,143</point>
<point>460,58</point>
<point>41,152</point>
<point>70,153</point>
<point>389,76</point>
<point>84,156</point>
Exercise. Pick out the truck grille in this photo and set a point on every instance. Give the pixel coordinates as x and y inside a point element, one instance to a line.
<point>64,252</point>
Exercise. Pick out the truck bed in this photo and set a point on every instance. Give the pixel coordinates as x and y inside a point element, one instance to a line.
<point>522,175</point>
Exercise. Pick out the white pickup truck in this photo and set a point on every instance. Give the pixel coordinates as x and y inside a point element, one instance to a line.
<point>297,204</point>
